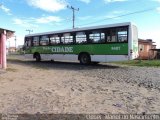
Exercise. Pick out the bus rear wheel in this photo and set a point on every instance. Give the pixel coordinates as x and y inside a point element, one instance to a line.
<point>85,59</point>
<point>37,57</point>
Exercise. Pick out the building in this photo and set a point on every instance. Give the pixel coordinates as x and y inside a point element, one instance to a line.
<point>20,49</point>
<point>4,35</point>
<point>145,49</point>
<point>158,53</point>
<point>12,49</point>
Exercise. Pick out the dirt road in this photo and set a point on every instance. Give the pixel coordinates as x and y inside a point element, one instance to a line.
<point>61,87</point>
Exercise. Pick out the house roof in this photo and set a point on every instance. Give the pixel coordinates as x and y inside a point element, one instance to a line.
<point>145,41</point>
<point>8,32</point>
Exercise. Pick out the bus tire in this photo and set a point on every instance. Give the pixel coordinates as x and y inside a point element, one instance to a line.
<point>85,59</point>
<point>37,57</point>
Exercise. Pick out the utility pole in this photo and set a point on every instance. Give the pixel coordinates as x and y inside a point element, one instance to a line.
<point>8,46</point>
<point>29,31</point>
<point>73,10</point>
<point>15,42</point>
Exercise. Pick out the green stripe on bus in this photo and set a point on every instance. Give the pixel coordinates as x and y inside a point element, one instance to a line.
<point>93,49</point>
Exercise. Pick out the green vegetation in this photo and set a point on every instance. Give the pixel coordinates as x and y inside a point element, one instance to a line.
<point>141,63</point>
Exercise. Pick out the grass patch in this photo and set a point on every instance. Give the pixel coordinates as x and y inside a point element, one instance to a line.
<point>141,63</point>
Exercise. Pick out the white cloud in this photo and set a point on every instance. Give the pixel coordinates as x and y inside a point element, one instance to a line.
<point>86,1</point>
<point>156,0</point>
<point>111,1</point>
<point>34,22</point>
<point>24,23</point>
<point>48,19</point>
<point>111,17</point>
<point>48,5</point>
<point>85,18</point>
<point>158,9</point>
<point>115,14</point>
<point>5,9</point>
<point>18,21</point>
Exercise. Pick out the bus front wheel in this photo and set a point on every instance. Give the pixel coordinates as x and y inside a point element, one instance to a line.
<point>85,59</point>
<point>37,57</point>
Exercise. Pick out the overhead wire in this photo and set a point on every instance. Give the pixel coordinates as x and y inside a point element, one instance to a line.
<point>131,13</point>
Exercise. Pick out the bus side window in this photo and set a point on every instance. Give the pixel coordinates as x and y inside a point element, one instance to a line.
<point>28,42</point>
<point>108,38</point>
<point>97,37</point>
<point>111,35</point>
<point>122,34</point>
<point>81,38</point>
<point>94,37</point>
<point>102,37</point>
<point>35,41</point>
<point>44,40</point>
<point>54,39</point>
<point>67,38</point>
<point>114,35</point>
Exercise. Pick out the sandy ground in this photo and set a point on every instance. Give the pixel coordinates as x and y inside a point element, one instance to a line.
<point>59,87</point>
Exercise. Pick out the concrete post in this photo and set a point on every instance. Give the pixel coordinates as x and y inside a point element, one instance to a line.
<point>3,49</point>
<point>0,51</point>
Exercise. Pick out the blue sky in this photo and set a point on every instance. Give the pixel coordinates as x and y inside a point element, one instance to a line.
<point>50,15</point>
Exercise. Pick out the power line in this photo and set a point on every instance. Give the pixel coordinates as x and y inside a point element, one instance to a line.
<point>136,12</point>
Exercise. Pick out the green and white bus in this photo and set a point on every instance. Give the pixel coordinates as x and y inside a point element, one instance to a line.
<point>105,43</point>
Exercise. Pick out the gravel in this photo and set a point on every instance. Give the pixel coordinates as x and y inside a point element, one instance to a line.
<point>142,76</point>
<point>63,87</point>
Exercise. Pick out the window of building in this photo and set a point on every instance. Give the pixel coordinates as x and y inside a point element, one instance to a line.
<point>122,34</point>
<point>81,37</point>
<point>67,38</point>
<point>35,41</point>
<point>44,40</point>
<point>141,47</point>
<point>54,39</point>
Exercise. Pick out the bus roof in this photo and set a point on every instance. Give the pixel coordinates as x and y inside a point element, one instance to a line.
<point>80,29</point>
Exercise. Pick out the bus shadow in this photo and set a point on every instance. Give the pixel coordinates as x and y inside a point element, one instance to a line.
<point>62,65</point>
